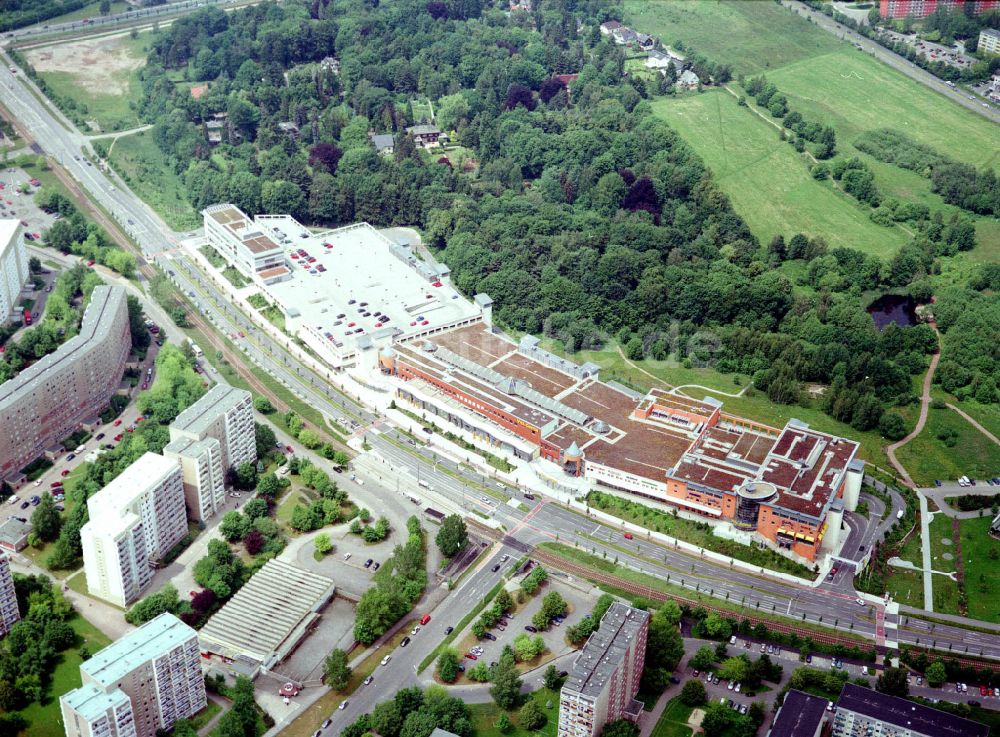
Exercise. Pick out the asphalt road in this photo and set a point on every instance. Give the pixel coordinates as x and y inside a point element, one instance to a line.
<point>897,62</point>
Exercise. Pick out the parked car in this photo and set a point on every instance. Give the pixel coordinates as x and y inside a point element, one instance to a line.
<point>528,627</point>
<point>449,629</point>
<point>405,642</point>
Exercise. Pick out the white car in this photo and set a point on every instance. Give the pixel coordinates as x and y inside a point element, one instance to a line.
<point>415,630</point>
<point>347,556</point>
<point>386,659</point>
<point>860,601</point>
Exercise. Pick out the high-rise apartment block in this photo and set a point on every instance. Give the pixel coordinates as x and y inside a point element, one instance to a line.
<point>157,668</point>
<point>863,712</point>
<point>49,400</point>
<point>90,712</point>
<point>989,41</point>
<point>604,679</point>
<point>203,474</point>
<point>9,613</point>
<point>13,267</point>
<point>923,8</point>
<point>226,414</point>
<point>134,520</point>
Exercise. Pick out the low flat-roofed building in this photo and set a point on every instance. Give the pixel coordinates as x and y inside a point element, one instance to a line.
<point>863,711</point>
<point>48,401</point>
<point>800,715</point>
<point>267,618</point>
<point>353,288</point>
<point>604,679</point>
<point>14,535</point>
<point>240,241</point>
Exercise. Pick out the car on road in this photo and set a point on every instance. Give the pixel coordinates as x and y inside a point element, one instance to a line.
<point>376,565</point>
<point>490,636</point>
<point>25,505</point>
<point>937,482</point>
<point>405,642</point>
<point>368,680</point>
<point>117,422</point>
<point>71,456</point>
<point>628,535</point>
<point>530,628</point>
<point>859,601</point>
<point>415,630</point>
<point>386,659</point>
<point>100,436</point>
<point>325,724</point>
<point>343,705</point>
<point>368,563</point>
<point>425,619</point>
<point>495,568</point>
<point>65,472</point>
<point>472,656</point>
<point>449,629</point>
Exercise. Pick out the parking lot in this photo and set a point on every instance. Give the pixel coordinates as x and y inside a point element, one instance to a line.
<point>579,601</point>
<point>951,55</point>
<point>13,204</point>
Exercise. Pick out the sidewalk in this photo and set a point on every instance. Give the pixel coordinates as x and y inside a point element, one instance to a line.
<point>925,546</point>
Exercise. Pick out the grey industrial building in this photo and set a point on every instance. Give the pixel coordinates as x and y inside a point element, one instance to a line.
<point>862,712</point>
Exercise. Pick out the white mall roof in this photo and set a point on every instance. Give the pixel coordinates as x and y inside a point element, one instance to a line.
<point>364,266</point>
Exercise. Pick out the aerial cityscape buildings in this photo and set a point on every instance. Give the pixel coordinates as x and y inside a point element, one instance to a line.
<point>224,413</point>
<point>50,399</point>
<point>13,267</point>
<point>9,613</point>
<point>156,668</point>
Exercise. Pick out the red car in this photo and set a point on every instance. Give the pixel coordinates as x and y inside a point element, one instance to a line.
<point>129,429</point>
<point>628,535</point>
<point>983,691</point>
<point>90,262</point>
<point>290,449</point>
<point>140,418</point>
<point>56,484</point>
<point>470,656</point>
<point>118,422</point>
<point>65,472</point>
<point>118,437</point>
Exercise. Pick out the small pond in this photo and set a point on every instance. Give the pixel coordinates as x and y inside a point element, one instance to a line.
<point>893,308</point>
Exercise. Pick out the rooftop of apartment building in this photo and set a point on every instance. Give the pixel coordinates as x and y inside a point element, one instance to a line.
<point>356,270</point>
<point>95,326</point>
<point>906,714</point>
<point>117,660</point>
<point>242,227</point>
<point>603,652</point>
<point>799,716</point>
<point>804,466</point>
<point>8,233</point>
<point>91,702</point>
<point>190,448</point>
<point>144,473</point>
<point>217,401</point>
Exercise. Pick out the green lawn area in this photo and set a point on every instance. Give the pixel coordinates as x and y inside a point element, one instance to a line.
<point>906,587</point>
<point>44,719</point>
<point>927,458</point>
<point>146,171</point>
<point>87,11</point>
<point>980,554</point>
<point>940,529</point>
<point>421,109</point>
<point>673,721</point>
<point>752,36</point>
<point>768,182</point>
<point>987,415</point>
<point>111,109</point>
<point>484,717</point>
<point>854,93</point>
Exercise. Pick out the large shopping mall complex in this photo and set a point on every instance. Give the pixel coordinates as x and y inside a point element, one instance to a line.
<point>372,300</point>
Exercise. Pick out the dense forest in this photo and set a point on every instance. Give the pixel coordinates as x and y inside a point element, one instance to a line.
<point>579,211</point>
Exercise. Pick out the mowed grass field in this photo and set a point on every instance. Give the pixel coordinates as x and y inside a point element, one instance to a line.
<point>854,93</point>
<point>753,35</point>
<point>927,458</point>
<point>768,182</point>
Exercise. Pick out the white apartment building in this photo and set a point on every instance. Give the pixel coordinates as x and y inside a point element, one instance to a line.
<point>13,267</point>
<point>226,414</point>
<point>157,667</point>
<point>134,520</point>
<point>49,400</point>
<point>989,41</point>
<point>243,243</point>
<point>203,475</point>
<point>604,679</point>
<point>90,712</point>
<point>116,559</point>
<point>9,613</point>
